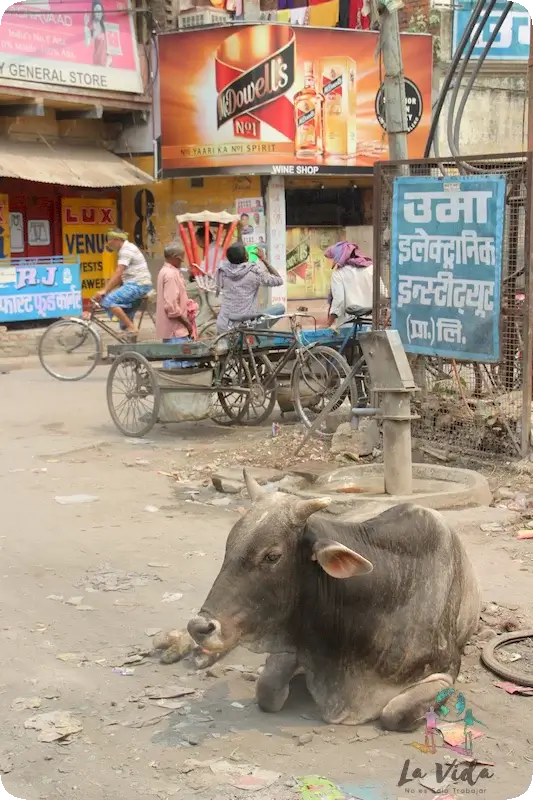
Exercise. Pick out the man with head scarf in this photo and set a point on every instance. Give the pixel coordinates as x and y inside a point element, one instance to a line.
<point>130,282</point>
<point>352,281</point>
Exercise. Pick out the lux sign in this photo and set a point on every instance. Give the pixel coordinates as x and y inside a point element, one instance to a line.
<point>88,216</point>
<point>512,42</point>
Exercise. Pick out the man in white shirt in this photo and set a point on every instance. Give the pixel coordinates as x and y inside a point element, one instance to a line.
<point>130,282</point>
<point>352,282</point>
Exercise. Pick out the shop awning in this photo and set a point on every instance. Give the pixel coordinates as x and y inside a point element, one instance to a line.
<point>67,165</point>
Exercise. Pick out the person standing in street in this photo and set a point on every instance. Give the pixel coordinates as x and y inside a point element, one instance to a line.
<point>130,282</point>
<point>239,281</point>
<point>175,312</point>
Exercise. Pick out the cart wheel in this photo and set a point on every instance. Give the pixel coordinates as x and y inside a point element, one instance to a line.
<point>231,406</point>
<point>262,401</point>
<point>69,350</point>
<point>317,375</point>
<point>133,394</point>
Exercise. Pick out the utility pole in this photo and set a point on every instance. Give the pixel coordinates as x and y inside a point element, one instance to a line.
<point>395,106</point>
<point>530,91</point>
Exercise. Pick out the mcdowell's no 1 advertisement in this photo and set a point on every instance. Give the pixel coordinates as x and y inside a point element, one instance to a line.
<point>280,100</point>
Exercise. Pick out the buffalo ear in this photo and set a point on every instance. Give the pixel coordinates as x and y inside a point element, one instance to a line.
<point>339,561</point>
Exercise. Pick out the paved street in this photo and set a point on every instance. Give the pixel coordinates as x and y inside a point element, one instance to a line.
<point>83,584</point>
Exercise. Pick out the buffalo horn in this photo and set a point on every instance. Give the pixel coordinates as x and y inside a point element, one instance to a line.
<point>305,508</point>
<point>255,491</point>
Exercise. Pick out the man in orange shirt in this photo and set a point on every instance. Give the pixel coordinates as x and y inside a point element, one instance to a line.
<point>174,312</point>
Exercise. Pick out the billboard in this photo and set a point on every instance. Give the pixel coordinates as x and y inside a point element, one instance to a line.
<point>85,45</point>
<point>283,101</point>
<point>511,43</point>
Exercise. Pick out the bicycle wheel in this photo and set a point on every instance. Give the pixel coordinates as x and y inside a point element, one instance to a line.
<point>133,394</point>
<point>231,406</point>
<point>69,349</point>
<point>261,401</point>
<point>317,375</point>
<point>208,330</point>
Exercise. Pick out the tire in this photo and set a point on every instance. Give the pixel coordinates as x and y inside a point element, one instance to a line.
<point>492,662</point>
<point>315,378</point>
<point>261,403</point>
<point>231,408</point>
<point>78,340</point>
<point>141,384</point>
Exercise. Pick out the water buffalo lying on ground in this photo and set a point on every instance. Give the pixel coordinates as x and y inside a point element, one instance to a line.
<point>374,614</point>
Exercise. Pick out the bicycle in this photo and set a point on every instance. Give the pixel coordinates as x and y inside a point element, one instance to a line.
<point>318,372</point>
<point>76,344</point>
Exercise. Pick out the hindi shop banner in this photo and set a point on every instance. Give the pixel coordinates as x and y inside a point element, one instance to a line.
<point>39,289</point>
<point>86,44</point>
<point>446,265</point>
<point>279,100</point>
<point>512,41</point>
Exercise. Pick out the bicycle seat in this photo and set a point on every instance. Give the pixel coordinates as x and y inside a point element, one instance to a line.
<point>247,317</point>
<point>358,311</point>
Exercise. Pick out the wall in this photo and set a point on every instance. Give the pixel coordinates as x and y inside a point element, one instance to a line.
<point>495,117</point>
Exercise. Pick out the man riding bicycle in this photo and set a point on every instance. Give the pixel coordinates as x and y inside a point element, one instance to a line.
<point>130,282</point>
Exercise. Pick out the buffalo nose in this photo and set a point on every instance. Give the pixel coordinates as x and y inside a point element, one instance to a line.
<point>201,628</point>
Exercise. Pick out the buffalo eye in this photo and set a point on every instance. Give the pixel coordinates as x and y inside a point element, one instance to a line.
<point>272,558</point>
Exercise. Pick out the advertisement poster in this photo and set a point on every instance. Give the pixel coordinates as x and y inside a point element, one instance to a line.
<point>446,265</point>
<point>85,226</point>
<point>5,248</point>
<point>251,213</point>
<point>283,101</point>
<point>84,44</point>
<point>512,41</point>
<point>308,271</point>
<point>46,289</point>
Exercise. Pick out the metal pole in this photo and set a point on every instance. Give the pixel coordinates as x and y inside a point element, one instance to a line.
<point>395,106</point>
<point>395,411</point>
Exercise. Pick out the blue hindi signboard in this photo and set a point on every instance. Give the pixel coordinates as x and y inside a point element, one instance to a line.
<point>512,41</point>
<point>32,289</point>
<point>446,265</point>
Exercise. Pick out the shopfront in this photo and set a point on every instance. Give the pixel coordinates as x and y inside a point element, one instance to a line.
<point>281,125</point>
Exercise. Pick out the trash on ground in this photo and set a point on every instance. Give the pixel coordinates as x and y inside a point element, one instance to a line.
<point>194,553</point>
<point>152,631</point>
<point>126,672</point>
<point>158,564</point>
<point>453,733</point>
<point>508,658</point>
<point>74,601</point>
<point>171,597</point>
<point>57,597</point>
<point>75,499</point>
<point>80,657</point>
<point>313,787</point>
<point>162,693</point>
<point>244,776</point>
<point>512,688</point>
<point>26,703</point>
<point>238,705</point>
<point>105,578</point>
<point>6,763</point>
<point>146,723</point>
<point>525,534</point>
<point>54,725</point>
<point>491,527</point>
<point>151,509</point>
<point>175,644</point>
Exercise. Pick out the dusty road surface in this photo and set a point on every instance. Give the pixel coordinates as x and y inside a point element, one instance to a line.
<point>85,585</point>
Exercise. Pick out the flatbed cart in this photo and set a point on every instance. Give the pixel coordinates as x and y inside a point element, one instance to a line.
<point>229,379</point>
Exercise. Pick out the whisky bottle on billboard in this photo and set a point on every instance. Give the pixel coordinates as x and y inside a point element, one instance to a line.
<point>308,140</point>
<point>339,87</point>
